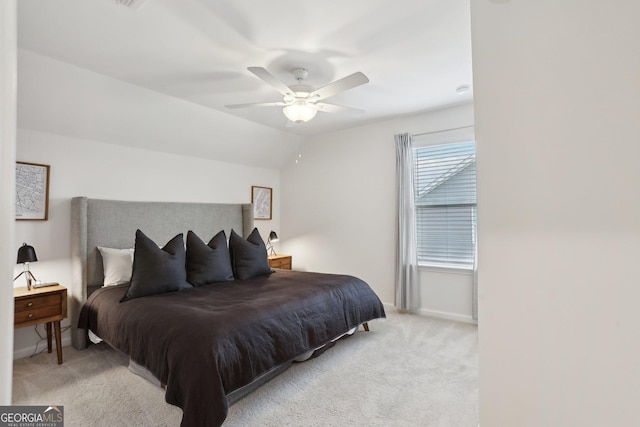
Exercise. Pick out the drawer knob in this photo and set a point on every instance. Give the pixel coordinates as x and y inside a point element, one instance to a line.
<point>30,304</point>
<point>30,315</point>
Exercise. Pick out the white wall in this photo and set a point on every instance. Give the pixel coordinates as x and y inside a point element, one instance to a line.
<point>94,169</point>
<point>338,212</point>
<point>7,189</point>
<point>446,293</point>
<point>557,106</point>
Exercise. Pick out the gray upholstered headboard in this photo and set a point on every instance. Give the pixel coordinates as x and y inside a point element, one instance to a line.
<point>113,223</point>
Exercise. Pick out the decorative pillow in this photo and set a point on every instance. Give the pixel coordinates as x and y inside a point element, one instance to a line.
<point>248,257</point>
<point>117,265</point>
<point>208,263</point>
<point>157,270</point>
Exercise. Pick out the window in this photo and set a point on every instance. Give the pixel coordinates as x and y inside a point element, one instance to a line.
<point>445,200</point>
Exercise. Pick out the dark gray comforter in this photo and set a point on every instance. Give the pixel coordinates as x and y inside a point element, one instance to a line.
<point>205,342</point>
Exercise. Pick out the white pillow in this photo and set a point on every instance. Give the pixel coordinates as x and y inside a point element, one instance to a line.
<point>117,265</point>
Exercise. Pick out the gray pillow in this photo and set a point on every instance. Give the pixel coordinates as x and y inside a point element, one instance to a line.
<point>208,263</point>
<point>157,270</point>
<point>248,257</point>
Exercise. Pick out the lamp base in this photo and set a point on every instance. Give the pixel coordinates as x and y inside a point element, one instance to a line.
<point>270,250</point>
<point>28,276</point>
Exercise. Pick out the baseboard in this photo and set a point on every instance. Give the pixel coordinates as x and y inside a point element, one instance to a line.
<point>438,314</point>
<point>28,351</point>
<point>448,316</point>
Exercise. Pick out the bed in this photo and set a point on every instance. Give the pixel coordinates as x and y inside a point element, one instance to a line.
<point>213,343</point>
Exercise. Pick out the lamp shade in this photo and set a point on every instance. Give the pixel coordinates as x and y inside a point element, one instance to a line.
<point>273,237</point>
<point>300,112</point>
<point>26,253</point>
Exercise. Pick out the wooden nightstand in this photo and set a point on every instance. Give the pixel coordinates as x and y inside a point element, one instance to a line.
<point>280,261</point>
<point>41,305</point>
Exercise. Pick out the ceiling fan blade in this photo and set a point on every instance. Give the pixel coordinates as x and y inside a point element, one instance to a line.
<point>333,108</point>
<point>257,104</point>
<point>345,83</point>
<point>268,78</point>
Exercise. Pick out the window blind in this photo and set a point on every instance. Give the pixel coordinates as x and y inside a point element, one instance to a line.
<point>445,200</point>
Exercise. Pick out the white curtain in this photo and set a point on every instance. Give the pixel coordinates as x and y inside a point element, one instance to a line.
<point>407,287</point>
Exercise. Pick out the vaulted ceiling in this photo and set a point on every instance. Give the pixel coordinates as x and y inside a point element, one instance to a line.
<point>416,53</point>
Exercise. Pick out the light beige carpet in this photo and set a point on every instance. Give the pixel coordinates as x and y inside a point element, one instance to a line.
<point>408,371</point>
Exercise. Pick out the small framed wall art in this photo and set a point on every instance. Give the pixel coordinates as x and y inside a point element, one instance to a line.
<point>32,191</point>
<point>261,197</point>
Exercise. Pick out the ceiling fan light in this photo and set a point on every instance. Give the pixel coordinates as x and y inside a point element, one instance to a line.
<point>300,113</point>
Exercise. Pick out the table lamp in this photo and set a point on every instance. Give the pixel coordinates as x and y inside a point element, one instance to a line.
<point>26,254</point>
<point>273,237</point>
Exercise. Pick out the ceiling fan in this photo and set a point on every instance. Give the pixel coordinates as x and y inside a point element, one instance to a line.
<point>301,102</point>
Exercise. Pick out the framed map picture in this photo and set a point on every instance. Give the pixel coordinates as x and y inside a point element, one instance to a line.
<point>261,198</point>
<point>32,191</point>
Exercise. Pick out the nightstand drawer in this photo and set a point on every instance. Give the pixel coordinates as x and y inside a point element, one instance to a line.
<point>36,314</point>
<point>280,261</point>
<point>36,302</point>
<point>42,305</point>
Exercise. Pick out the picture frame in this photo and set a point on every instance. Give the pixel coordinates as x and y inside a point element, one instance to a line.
<point>262,198</point>
<point>32,191</point>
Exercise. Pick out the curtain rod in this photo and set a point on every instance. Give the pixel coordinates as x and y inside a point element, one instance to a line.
<point>443,130</point>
